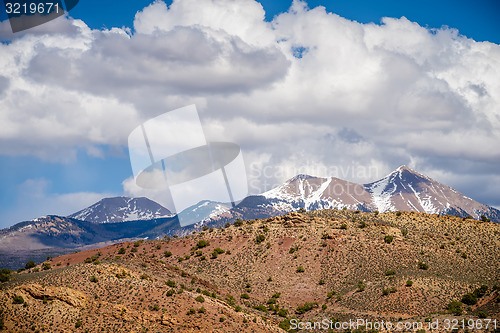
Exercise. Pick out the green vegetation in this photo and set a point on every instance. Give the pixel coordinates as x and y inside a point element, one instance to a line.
<point>121,250</point>
<point>423,266</point>
<point>200,299</point>
<point>78,324</point>
<point>30,264</point>
<point>390,272</point>
<point>202,243</point>
<point>93,279</point>
<point>388,239</point>
<point>4,275</point>
<point>409,283</point>
<point>245,296</point>
<point>260,238</point>
<point>455,308</point>
<point>238,222</point>
<point>306,307</point>
<point>170,283</point>
<point>46,266</point>
<point>18,299</point>
<point>300,269</point>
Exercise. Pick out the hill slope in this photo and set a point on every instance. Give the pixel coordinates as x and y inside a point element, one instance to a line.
<point>322,264</point>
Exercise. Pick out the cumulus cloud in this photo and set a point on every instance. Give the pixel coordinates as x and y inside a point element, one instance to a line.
<point>308,88</point>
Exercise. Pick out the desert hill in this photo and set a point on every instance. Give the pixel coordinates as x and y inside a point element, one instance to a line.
<point>254,276</point>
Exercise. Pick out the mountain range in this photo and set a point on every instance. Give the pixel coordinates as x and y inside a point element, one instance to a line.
<point>116,219</point>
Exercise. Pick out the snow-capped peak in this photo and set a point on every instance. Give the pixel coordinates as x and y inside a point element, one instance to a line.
<point>121,209</point>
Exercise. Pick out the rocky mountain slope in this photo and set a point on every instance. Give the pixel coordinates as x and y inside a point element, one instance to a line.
<point>121,209</point>
<point>402,190</point>
<point>255,275</point>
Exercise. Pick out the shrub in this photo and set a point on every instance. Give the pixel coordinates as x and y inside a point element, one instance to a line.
<point>200,299</point>
<point>388,239</point>
<point>93,279</point>
<point>469,299</point>
<point>245,296</point>
<point>455,308</point>
<point>390,272</point>
<point>300,269</point>
<point>5,275</point>
<point>167,254</point>
<point>260,308</point>
<point>170,292</point>
<point>78,324</point>
<point>479,292</point>
<point>270,279</point>
<point>219,250</point>
<point>409,283</point>
<point>201,310</point>
<point>398,213</point>
<point>18,300</point>
<point>482,314</point>
<point>404,232</point>
<point>191,311</point>
<point>330,294</point>
<point>306,307</point>
<point>260,238</point>
<point>202,243</point>
<point>121,250</point>
<point>343,226</point>
<point>30,264</point>
<point>46,266</point>
<point>423,266</point>
<point>238,222</point>
<point>361,286</point>
<point>321,282</point>
<point>362,224</point>
<point>385,292</point>
<point>170,283</point>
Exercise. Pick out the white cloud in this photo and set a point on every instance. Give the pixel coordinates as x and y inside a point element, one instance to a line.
<point>308,88</point>
<point>34,199</point>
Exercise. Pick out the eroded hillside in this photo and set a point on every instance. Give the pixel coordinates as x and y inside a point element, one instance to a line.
<point>255,275</point>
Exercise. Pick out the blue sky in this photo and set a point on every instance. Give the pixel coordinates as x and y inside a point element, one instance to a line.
<point>70,172</point>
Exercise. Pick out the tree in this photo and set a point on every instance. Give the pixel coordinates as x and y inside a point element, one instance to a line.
<point>30,264</point>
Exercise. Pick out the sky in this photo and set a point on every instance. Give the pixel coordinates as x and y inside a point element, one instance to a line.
<point>352,89</point>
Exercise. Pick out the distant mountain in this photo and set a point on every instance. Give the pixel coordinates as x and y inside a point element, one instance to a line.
<point>121,209</point>
<point>109,220</point>
<point>402,190</point>
<point>407,190</point>
<point>203,210</point>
